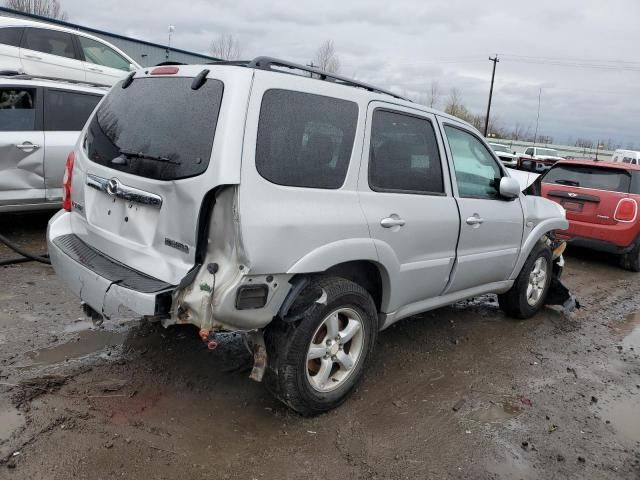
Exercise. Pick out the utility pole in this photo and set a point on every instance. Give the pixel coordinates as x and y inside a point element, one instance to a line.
<point>171,28</point>
<point>495,61</point>
<point>310,64</point>
<point>535,135</point>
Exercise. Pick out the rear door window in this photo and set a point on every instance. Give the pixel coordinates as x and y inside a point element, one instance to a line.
<point>156,127</point>
<point>99,54</point>
<point>52,42</point>
<point>404,156</point>
<point>305,140</point>
<point>17,109</point>
<point>584,176</point>
<point>11,36</point>
<point>67,111</point>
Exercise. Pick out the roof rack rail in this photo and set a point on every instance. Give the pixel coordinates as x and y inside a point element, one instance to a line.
<point>237,63</point>
<point>266,63</point>
<point>26,76</point>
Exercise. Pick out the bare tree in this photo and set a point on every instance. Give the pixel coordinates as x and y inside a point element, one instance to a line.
<point>454,105</point>
<point>326,58</point>
<point>226,47</point>
<point>44,8</point>
<point>434,95</point>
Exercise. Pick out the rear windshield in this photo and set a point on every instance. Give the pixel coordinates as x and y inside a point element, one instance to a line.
<point>610,179</point>
<point>156,127</point>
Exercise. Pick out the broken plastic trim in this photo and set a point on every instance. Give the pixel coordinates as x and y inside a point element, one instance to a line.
<point>560,295</point>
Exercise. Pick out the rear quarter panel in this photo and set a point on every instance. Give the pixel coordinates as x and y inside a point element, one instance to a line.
<point>283,226</point>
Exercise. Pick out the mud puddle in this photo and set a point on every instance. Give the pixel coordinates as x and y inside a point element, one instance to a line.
<point>624,415</point>
<point>10,420</point>
<point>86,342</point>
<point>496,412</point>
<point>630,328</point>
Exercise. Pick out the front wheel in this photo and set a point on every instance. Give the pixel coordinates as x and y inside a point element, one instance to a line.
<point>529,292</point>
<point>317,358</point>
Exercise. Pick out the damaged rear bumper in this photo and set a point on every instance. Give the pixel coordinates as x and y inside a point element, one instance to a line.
<point>108,287</point>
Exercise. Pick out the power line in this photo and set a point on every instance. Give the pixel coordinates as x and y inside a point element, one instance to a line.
<point>607,65</point>
<point>570,59</point>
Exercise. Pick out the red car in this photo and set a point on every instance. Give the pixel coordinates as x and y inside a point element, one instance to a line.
<point>601,200</point>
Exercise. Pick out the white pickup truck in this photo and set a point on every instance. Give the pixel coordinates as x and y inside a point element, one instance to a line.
<point>537,159</point>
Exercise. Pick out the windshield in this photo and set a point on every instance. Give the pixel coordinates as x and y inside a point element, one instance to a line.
<point>547,151</point>
<point>610,179</point>
<point>156,127</point>
<point>499,148</point>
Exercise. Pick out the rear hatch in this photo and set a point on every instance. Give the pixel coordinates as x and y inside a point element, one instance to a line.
<point>146,161</point>
<point>588,193</point>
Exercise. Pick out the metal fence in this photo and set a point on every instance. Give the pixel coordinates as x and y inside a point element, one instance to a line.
<point>519,146</point>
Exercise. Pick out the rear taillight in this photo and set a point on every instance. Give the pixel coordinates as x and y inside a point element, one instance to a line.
<point>66,182</point>
<point>626,210</point>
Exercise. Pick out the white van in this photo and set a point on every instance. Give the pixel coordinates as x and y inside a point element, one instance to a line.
<point>626,156</point>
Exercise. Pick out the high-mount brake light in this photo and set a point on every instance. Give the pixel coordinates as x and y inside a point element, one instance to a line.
<point>66,182</point>
<point>626,210</point>
<point>165,71</point>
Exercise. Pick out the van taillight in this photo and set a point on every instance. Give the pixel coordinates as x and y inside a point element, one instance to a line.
<point>66,182</point>
<point>626,210</point>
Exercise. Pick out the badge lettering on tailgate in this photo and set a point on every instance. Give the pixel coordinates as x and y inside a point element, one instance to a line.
<point>177,245</point>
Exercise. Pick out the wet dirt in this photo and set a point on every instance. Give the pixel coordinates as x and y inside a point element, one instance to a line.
<point>461,392</point>
<point>86,342</point>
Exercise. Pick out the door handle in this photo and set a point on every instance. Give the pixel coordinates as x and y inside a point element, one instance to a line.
<point>34,57</point>
<point>27,146</point>
<point>475,220</point>
<point>93,69</point>
<point>391,222</point>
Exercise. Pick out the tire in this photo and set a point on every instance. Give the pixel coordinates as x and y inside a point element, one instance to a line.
<point>516,302</point>
<point>631,261</point>
<point>297,379</point>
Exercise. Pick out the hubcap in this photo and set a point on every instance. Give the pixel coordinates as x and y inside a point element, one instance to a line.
<point>537,281</point>
<point>335,349</point>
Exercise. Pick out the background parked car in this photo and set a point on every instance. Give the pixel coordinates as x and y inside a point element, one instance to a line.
<point>538,159</point>
<point>48,50</point>
<point>601,200</point>
<point>40,121</point>
<point>506,157</point>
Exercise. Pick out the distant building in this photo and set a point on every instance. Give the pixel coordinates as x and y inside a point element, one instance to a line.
<point>145,53</point>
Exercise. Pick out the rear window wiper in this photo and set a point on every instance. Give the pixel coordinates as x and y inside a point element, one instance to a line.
<point>148,156</point>
<point>571,183</point>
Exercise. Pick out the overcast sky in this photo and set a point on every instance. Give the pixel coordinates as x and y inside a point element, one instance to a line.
<point>405,45</point>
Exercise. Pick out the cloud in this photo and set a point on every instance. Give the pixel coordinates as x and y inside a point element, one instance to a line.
<point>405,45</point>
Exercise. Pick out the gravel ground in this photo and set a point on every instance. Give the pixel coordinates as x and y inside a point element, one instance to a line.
<point>460,392</point>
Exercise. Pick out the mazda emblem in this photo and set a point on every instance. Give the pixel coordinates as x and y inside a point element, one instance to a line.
<point>112,186</point>
<point>571,194</point>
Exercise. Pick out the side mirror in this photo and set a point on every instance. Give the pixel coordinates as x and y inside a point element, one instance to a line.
<point>132,67</point>
<point>509,187</point>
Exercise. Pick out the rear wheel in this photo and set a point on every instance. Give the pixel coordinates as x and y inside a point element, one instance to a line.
<point>631,260</point>
<point>316,361</point>
<point>529,292</point>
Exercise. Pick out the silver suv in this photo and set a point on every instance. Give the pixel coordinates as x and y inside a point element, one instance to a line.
<point>40,122</point>
<point>307,210</point>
